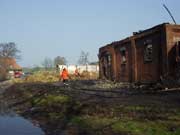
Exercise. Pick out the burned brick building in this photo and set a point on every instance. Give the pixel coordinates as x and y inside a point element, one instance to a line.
<point>147,56</point>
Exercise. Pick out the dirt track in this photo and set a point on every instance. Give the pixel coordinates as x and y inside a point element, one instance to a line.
<point>5,85</point>
<point>38,101</point>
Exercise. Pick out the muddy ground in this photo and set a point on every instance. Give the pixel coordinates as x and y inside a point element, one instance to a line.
<point>92,107</point>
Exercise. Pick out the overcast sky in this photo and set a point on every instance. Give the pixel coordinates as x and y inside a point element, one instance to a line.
<point>50,28</point>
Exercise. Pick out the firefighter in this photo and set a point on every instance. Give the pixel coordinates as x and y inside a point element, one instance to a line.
<point>76,72</point>
<point>64,75</point>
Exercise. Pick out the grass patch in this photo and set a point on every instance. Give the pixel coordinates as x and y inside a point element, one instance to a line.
<point>51,100</point>
<point>92,123</point>
<point>40,76</point>
<point>145,128</point>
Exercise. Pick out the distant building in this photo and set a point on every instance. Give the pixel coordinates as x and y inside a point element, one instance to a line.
<point>147,56</point>
<point>81,68</point>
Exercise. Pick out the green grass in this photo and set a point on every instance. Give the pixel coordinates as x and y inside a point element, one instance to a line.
<point>145,128</point>
<point>128,126</point>
<point>92,122</point>
<point>50,100</point>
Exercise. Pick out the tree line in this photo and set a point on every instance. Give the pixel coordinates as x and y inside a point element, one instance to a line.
<point>48,63</point>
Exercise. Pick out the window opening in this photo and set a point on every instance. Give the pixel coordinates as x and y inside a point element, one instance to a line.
<point>123,55</point>
<point>148,51</point>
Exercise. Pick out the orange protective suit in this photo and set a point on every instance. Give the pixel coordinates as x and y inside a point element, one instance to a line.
<point>64,74</point>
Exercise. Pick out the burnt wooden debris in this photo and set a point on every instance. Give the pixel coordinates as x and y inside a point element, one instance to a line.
<point>147,56</point>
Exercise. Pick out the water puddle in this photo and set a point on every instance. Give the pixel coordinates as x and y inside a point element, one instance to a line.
<point>12,124</point>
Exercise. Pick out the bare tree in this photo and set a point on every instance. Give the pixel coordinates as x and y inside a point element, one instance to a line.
<point>60,61</point>
<point>47,63</point>
<point>7,51</point>
<point>83,59</point>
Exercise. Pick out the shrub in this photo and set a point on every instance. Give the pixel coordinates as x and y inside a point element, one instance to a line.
<point>2,74</point>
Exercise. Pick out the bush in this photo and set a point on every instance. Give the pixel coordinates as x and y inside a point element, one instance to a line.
<point>2,74</point>
<point>89,75</point>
